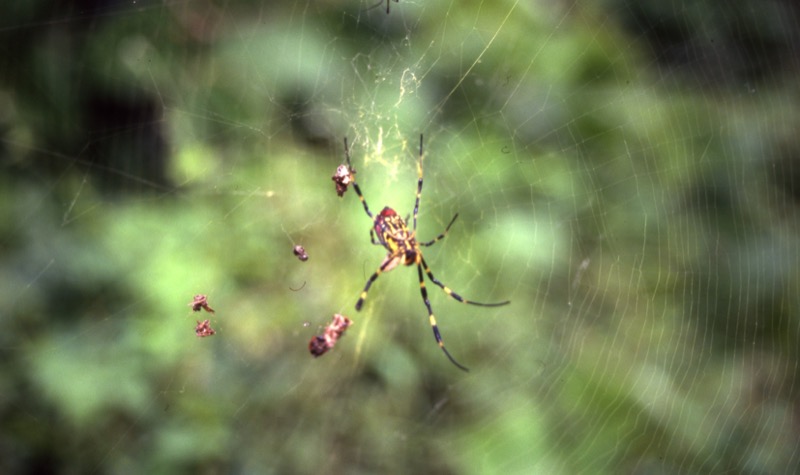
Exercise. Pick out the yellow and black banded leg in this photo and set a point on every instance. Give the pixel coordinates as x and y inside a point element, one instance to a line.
<point>419,183</point>
<point>453,294</point>
<point>361,197</point>
<point>432,320</point>
<point>372,279</point>
<point>355,185</point>
<point>441,236</point>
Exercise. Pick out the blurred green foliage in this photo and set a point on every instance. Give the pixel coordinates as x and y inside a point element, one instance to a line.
<point>624,172</point>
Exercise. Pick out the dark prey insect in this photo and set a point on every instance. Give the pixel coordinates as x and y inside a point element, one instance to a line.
<point>300,252</point>
<point>200,301</point>
<point>342,178</point>
<point>387,5</point>
<point>320,344</point>
<point>403,248</point>
<point>203,329</point>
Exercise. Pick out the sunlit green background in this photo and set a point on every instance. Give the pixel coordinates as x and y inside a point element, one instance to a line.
<point>624,172</point>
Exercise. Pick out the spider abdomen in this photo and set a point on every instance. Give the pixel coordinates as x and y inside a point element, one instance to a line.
<point>394,235</point>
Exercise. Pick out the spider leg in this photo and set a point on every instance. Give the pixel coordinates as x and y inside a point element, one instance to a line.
<point>372,238</point>
<point>391,260</point>
<point>419,183</point>
<point>453,294</point>
<point>361,197</point>
<point>355,185</point>
<point>432,320</point>
<point>441,236</point>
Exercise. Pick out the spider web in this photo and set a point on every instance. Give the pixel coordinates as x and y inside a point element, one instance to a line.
<point>624,173</point>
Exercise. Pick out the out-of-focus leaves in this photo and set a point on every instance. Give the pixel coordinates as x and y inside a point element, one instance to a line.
<point>633,200</point>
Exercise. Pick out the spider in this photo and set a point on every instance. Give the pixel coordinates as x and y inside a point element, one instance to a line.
<point>403,248</point>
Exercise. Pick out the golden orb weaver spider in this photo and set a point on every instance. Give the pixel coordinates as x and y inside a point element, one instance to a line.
<point>403,248</point>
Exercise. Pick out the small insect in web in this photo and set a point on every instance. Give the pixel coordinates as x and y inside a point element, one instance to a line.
<point>201,301</point>
<point>343,177</point>
<point>403,248</point>
<point>381,2</point>
<point>300,252</point>
<point>387,5</point>
<point>320,344</point>
<point>203,329</point>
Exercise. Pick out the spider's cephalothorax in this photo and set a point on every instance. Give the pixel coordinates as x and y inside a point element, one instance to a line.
<point>403,248</point>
